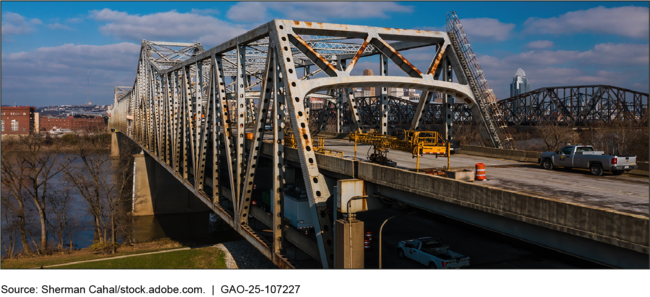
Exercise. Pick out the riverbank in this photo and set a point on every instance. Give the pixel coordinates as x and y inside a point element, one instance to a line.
<point>183,258</point>
<point>36,261</point>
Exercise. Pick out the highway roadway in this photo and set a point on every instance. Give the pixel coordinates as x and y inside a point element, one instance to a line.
<point>486,249</point>
<point>626,193</point>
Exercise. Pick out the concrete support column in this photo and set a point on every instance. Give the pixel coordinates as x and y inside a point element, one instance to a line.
<point>349,244</point>
<point>157,191</point>
<point>115,146</point>
<point>142,196</point>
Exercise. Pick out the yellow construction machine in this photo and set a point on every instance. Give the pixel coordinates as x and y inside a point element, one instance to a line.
<point>319,145</point>
<point>418,143</point>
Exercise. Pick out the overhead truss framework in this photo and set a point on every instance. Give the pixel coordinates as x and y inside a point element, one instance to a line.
<point>190,108</point>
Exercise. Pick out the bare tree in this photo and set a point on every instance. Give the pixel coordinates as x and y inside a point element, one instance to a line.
<point>555,136</point>
<point>61,204</point>
<point>101,190</point>
<point>10,229</point>
<point>468,134</point>
<point>620,137</point>
<point>85,179</point>
<point>37,167</point>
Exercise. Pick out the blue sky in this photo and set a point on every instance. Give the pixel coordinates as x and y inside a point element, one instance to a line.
<point>49,48</point>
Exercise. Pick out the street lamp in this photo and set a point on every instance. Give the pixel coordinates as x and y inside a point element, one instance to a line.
<point>382,228</point>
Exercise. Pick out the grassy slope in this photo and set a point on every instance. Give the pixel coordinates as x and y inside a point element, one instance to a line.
<point>86,254</point>
<point>45,261</point>
<point>207,257</point>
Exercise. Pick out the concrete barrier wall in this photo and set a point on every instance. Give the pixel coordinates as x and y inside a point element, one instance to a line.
<point>608,226</point>
<point>325,162</point>
<point>524,156</point>
<point>332,135</point>
<point>335,164</point>
<point>516,155</point>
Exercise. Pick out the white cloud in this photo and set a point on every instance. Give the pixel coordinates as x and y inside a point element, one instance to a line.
<point>313,11</point>
<point>481,29</point>
<point>166,26</point>
<point>249,12</point>
<point>486,29</point>
<point>629,21</point>
<point>206,11</point>
<point>56,26</point>
<point>617,54</point>
<point>623,65</point>
<point>74,20</point>
<point>640,86</point>
<point>58,74</point>
<point>13,24</point>
<point>540,44</point>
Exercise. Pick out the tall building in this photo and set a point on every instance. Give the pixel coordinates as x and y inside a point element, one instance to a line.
<point>368,90</point>
<point>519,83</point>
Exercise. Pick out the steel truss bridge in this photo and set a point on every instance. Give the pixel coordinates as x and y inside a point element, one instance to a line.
<point>570,105</point>
<point>190,108</point>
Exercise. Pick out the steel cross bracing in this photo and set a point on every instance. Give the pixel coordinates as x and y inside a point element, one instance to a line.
<point>182,113</point>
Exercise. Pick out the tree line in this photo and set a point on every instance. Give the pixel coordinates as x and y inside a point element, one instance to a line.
<point>616,137</point>
<point>47,183</point>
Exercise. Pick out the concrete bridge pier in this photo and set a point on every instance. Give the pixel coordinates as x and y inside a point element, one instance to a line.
<point>156,191</point>
<point>115,147</point>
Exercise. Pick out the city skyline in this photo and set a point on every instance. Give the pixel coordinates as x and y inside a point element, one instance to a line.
<point>48,53</point>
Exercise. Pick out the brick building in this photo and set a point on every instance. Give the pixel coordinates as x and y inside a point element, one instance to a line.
<point>18,120</point>
<point>88,124</point>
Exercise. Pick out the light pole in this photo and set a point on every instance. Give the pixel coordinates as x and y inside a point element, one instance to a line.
<point>382,228</point>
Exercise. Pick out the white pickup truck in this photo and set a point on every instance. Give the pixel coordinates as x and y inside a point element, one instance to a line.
<point>432,253</point>
<point>584,156</point>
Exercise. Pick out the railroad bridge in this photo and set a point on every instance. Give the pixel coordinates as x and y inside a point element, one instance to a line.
<point>190,110</point>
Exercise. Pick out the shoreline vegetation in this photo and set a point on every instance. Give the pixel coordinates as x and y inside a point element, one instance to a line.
<point>50,185</point>
<point>195,257</point>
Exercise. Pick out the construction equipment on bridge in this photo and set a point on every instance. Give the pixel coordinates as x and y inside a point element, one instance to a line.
<point>418,143</point>
<point>319,146</point>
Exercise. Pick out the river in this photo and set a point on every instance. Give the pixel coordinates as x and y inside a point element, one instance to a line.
<point>144,228</point>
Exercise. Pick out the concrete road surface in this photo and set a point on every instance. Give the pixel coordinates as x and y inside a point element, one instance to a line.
<point>625,193</point>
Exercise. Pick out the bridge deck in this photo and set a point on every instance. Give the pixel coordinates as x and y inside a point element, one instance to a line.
<point>625,193</point>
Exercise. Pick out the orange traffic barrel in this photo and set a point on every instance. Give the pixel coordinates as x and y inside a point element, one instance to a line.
<point>368,235</point>
<point>366,244</point>
<point>480,171</point>
<point>249,136</point>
